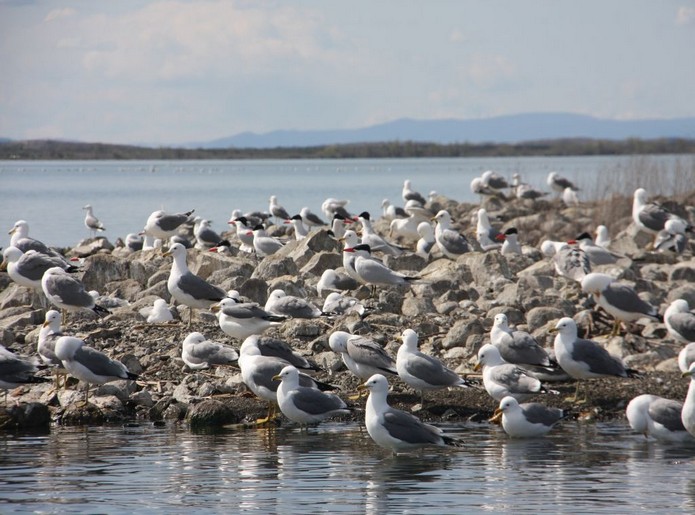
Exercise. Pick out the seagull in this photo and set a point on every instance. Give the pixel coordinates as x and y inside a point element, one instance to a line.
<point>570,197</point>
<point>527,420</point>
<point>424,245</point>
<point>602,237</point>
<point>680,321</point>
<point>241,320</point>
<point>16,371</point>
<point>20,239</point>
<point>273,347</point>
<point>659,417</point>
<point>375,273</point>
<point>337,303</point>
<point>688,413</point>
<point>300,230</point>
<point>158,313</point>
<point>389,211</point>
<point>517,347</point>
<point>488,237</point>
<point>409,193</point>
<point>257,373</point>
<point>187,288</point>
<point>523,190</point>
<point>281,304</point>
<point>88,364</point>
<point>422,372</point>
<point>334,281</point>
<point>133,242</point>
<point>649,216</point>
<point>672,237</point>
<point>510,244</point>
<point>48,336</point>
<point>451,243</point>
<point>91,222</point>
<point>244,233</point>
<point>686,357</point>
<point>494,180</point>
<point>207,238</point>
<point>27,269</point>
<point>277,210</point>
<point>303,404</point>
<point>394,429</point>
<point>479,188</point>
<point>263,244</point>
<point>310,219</point>
<point>362,356</point>
<point>350,241</point>
<point>68,292</point>
<point>198,352</point>
<point>162,225</point>
<point>560,184</point>
<point>502,379</point>
<point>619,300</point>
<point>407,227</point>
<point>338,226</point>
<point>371,238</point>
<point>597,254</point>
<point>571,262</point>
<point>334,206</point>
<point>584,359</point>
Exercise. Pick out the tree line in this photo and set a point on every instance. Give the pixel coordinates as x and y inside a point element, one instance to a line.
<point>54,150</point>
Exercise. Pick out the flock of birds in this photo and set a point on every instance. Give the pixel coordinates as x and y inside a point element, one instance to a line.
<point>515,367</point>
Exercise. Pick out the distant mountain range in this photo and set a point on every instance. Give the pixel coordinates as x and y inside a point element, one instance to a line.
<point>500,129</point>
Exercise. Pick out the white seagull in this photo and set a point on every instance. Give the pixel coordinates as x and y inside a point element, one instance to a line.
<point>163,225</point>
<point>450,243</point>
<point>394,429</point>
<point>362,356</point>
<point>198,352</point>
<point>502,379</point>
<point>527,420</point>
<point>16,371</point>
<point>281,304</point>
<point>68,292</point>
<point>241,320</point>
<point>680,321</point>
<point>658,417</point>
<point>91,222</point>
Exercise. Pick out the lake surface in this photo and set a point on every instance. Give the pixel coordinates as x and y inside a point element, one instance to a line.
<point>578,468</point>
<point>50,194</point>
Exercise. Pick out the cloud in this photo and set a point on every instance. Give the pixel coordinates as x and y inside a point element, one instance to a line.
<point>685,15</point>
<point>60,13</point>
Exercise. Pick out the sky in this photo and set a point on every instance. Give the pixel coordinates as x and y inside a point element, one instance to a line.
<point>173,72</point>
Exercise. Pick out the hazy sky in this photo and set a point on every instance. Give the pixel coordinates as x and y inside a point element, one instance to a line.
<point>135,71</point>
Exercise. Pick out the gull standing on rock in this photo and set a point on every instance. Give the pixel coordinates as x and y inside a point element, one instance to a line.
<point>517,347</point>
<point>273,347</point>
<point>163,226</point>
<point>241,320</point>
<point>584,359</point>
<point>303,404</point>
<point>686,357</point>
<point>88,364</point>
<point>91,222</point>
<point>275,209</point>
<point>527,420</point>
<point>198,352</point>
<point>658,417</point>
<point>16,371</point>
<point>279,303</point>
<point>68,292</point>
<point>205,236</point>
<point>20,239</point>
<point>158,313</point>
<point>362,356</point>
<point>310,219</point>
<point>424,245</point>
<point>570,262</point>
<point>619,300</point>
<point>488,237</point>
<point>394,429</point>
<point>187,288</point>
<point>680,321</point>
<point>408,193</point>
<point>333,206</point>
<point>450,243</point>
<point>334,281</point>
<point>649,216</point>
<point>603,239</point>
<point>422,372</point>
<point>560,184</point>
<point>263,244</point>
<point>48,336</point>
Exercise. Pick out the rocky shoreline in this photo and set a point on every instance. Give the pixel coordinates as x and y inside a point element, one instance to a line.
<point>451,308</point>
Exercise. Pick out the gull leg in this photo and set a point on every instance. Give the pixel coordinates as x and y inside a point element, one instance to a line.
<point>616,328</point>
<point>270,416</point>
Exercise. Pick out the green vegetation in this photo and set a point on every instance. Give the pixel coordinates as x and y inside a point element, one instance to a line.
<point>49,149</point>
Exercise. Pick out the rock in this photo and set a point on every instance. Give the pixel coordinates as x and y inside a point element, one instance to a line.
<point>321,262</point>
<point>460,331</point>
<point>274,266</point>
<point>540,316</point>
<point>683,272</point>
<point>33,415</point>
<point>211,413</point>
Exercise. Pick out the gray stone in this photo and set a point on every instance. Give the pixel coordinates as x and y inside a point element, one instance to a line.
<point>321,262</point>
<point>460,331</point>
<point>540,316</point>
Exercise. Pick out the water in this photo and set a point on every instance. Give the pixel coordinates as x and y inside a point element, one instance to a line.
<point>50,194</point>
<point>579,468</point>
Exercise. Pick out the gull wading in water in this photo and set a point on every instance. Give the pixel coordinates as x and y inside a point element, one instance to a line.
<point>527,420</point>
<point>397,430</point>
<point>658,417</point>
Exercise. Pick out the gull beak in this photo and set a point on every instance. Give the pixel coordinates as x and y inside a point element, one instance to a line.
<point>215,308</point>
<point>167,253</point>
<point>277,377</point>
<point>496,417</point>
<point>12,230</point>
<point>3,265</point>
<point>46,324</point>
<point>687,373</point>
<point>477,366</point>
